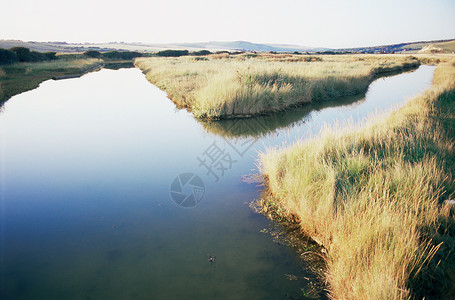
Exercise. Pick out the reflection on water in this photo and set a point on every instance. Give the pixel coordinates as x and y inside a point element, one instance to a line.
<point>118,65</point>
<point>267,124</point>
<point>87,167</point>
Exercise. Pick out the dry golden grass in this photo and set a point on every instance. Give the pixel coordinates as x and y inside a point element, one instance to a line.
<point>373,197</point>
<point>252,84</point>
<point>447,46</point>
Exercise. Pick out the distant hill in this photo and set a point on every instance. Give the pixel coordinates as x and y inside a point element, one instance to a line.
<point>412,47</point>
<point>230,46</point>
<point>247,46</point>
<point>445,45</point>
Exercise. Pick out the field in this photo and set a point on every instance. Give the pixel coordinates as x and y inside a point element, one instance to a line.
<point>231,86</point>
<point>447,46</point>
<point>377,198</point>
<point>21,77</point>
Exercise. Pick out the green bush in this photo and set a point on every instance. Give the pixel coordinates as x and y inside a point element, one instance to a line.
<point>201,52</point>
<point>23,54</point>
<point>92,54</point>
<point>37,56</point>
<point>121,55</point>
<point>7,57</point>
<point>172,53</point>
<point>51,55</point>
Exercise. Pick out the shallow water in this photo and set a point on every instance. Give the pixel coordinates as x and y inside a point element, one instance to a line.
<point>87,168</point>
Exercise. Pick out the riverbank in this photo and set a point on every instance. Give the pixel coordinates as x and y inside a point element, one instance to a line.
<point>374,198</point>
<point>20,77</point>
<point>232,86</point>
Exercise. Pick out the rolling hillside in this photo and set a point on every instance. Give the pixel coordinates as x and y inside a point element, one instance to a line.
<point>412,47</point>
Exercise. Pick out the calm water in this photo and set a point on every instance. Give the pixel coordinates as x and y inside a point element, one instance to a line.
<point>86,210</point>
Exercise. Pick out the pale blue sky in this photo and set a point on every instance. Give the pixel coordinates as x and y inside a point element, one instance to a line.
<point>323,23</point>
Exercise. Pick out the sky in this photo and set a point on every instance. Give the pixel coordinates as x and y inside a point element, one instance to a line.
<point>322,23</point>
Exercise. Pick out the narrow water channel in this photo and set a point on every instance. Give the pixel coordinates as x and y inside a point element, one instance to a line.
<point>109,192</point>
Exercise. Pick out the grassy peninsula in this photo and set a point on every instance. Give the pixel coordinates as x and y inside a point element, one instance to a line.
<point>221,86</point>
<point>377,198</point>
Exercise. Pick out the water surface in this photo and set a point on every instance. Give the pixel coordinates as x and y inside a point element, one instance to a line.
<point>86,211</point>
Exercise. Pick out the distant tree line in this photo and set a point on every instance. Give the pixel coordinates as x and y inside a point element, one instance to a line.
<point>172,53</point>
<point>123,55</point>
<point>22,54</point>
<point>177,53</point>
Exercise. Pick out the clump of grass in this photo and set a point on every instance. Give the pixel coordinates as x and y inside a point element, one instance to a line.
<point>373,197</point>
<point>252,84</point>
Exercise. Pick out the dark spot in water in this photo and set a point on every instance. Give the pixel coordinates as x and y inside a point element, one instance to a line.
<point>271,256</point>
<point>91,290</point>
<point>259,279</point>
<point>18,286</point>
<point>114,255</point>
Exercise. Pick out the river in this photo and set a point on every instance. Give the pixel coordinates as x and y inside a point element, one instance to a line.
<point>109,192</point>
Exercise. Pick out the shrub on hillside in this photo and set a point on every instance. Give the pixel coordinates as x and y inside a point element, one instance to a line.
<point>7,57</point>
<point>121,54</point>
<point>51,55</point>
<point>37,56</point>
<point>172,53</point>
<point>23,54</point>
<point>201,52</point>
<point>92,54</point>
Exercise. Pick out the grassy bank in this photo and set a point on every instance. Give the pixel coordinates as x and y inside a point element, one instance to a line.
<point>222,85</point>
<point>20,77</point>
<point>374,198</point>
